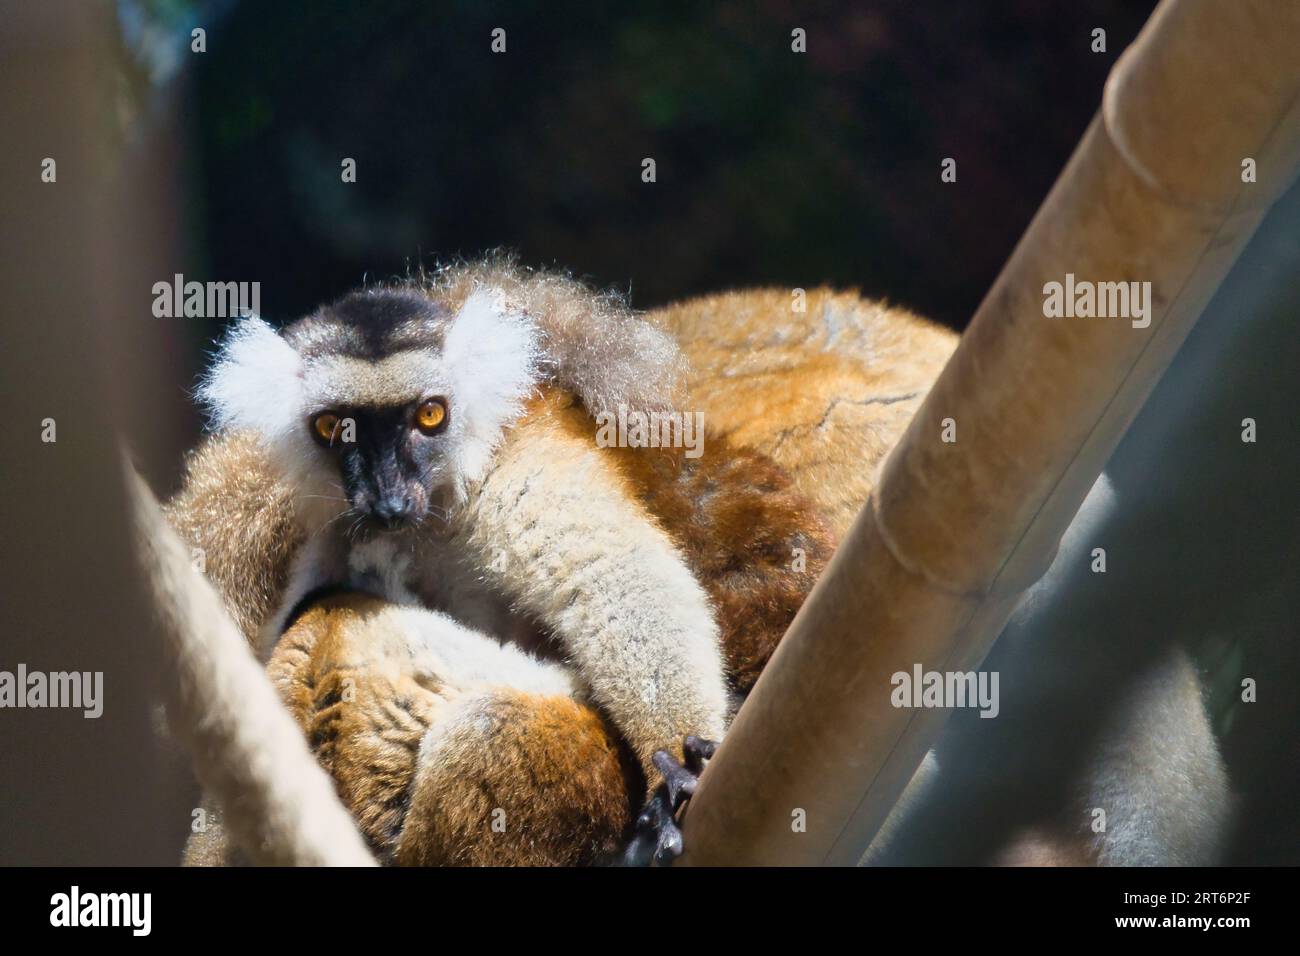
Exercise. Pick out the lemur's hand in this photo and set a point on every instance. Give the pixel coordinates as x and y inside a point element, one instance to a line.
<point>657,837</point>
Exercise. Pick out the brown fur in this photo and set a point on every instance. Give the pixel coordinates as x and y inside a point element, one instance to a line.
<point>738,520</point>
<point>825,393</point>
<point>553,765</point>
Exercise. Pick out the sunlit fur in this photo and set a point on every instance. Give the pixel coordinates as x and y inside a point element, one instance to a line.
<point>539,529</point>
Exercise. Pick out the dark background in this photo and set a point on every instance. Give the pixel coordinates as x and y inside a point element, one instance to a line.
<point>773,167</point>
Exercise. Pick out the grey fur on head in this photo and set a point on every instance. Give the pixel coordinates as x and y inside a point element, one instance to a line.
<point>593,344</point>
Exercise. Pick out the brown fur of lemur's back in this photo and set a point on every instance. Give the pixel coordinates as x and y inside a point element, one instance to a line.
<point>753,541</point>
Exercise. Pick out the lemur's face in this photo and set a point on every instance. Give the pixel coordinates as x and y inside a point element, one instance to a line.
<point>391,460</point>
<point>382,403</point>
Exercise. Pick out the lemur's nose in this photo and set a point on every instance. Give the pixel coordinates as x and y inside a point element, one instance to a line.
<point>393,511</point>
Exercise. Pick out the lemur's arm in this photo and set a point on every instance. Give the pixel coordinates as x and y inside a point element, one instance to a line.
<point>558,530</point>
<point>237,509</point>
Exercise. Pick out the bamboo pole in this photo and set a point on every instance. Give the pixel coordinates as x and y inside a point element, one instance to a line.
<point>956,531</point>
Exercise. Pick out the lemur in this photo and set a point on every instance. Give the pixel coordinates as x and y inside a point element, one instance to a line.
<point>450,417</point>
<point>434,732</point>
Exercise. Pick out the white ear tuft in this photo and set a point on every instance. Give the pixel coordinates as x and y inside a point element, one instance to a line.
<point>492,354</point>
<point>256,382</point>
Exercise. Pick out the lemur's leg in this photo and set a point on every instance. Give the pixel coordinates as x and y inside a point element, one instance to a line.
<point>448,747</point>
<point>519,779</point>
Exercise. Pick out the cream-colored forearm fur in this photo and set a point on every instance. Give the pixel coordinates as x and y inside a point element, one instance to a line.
<point>562,536</point>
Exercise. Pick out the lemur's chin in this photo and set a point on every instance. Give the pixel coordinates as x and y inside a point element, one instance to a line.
<point>395,527</point>
<point>380,526</point>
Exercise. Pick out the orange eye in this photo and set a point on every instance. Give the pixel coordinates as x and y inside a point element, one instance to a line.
<point>326,426</point>
<point>431,416</point>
